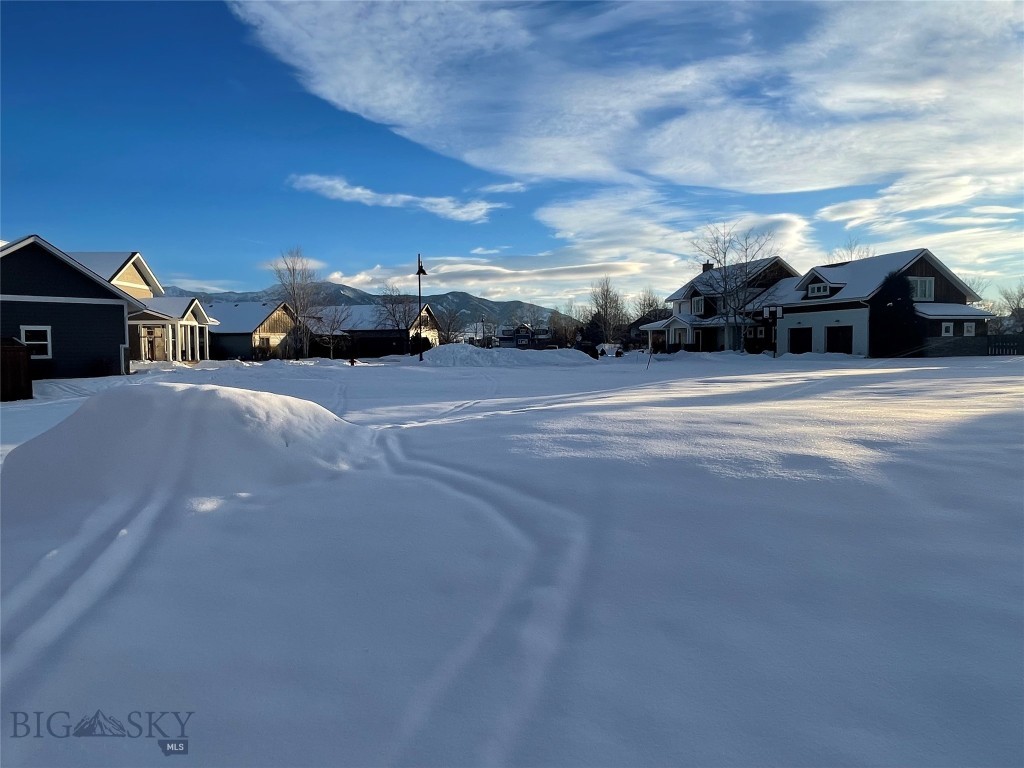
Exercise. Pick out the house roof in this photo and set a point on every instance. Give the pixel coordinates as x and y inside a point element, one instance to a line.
<point>366,317</point>
<point>110,264</point>
<point>11,247</point>
<point>710,282</point>
<point>857,280</point>
<point>362,317</point>
<point>658,325</point>
<point>950,311</point>
<point>176,307</point>
<point>239,316</point>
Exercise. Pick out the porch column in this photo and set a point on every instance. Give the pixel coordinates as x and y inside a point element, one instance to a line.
<point>206,343</point>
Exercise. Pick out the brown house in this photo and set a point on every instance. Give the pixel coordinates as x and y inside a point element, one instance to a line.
<point>250,330</point>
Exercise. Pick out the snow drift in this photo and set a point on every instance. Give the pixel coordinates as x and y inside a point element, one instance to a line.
<point>182,439</point>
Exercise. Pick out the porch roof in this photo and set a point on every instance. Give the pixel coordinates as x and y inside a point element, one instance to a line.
<point>950,311</point>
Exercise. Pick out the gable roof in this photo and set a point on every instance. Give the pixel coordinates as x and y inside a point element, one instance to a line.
<point>860,280</point>
<point>16,245</point>
<point>710,282</point>
<point>365,317</point>
<point>177,307</point>
<point>110,264</point>
<point>240,316</point>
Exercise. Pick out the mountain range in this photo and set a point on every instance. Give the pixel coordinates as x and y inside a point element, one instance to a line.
<point>472,307</point>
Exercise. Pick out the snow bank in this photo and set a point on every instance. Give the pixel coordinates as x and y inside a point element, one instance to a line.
<point>181,439</point>
<point>450,355</point>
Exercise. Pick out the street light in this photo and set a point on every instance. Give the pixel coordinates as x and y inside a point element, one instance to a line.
<point>420,272</point>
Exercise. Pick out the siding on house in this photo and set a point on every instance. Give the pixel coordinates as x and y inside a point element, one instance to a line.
<point>34,271</point>
<point>132,282</point>
<point>85,339</point>
<point>819,321</point>
<point>945,291</point>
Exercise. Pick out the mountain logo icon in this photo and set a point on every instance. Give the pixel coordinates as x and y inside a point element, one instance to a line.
<point>99,725</point>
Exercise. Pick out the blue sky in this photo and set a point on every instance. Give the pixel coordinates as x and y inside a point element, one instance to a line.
<point>524,149</point>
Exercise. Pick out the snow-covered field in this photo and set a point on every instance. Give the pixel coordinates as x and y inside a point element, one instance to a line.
<point>520,558</point>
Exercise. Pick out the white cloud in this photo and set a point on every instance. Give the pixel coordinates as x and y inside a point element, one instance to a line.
<point>203,286</point>
<point>504,189</point>
<point>311,263</point>
<point>871,90</point>
<point>485,251</point>
<point>923,99</point>
<point>337,188</point>
<point>995,209</point>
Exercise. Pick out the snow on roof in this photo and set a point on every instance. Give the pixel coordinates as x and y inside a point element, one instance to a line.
<point>856,280</point>
<point>239,316</point>
<point>862,277</point>
<point>171,306</point>
<point>948,311</point>
<point>106,264</point>
<point>657,325</point>
<point>710,281</point>
<point>362,317</point>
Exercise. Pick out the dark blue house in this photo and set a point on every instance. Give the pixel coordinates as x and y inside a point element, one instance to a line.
<point>73,322</point>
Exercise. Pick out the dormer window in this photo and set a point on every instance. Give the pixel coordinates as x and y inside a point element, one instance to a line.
<point>922,288</point>
<point>817,289</point>
<point>697,305</point>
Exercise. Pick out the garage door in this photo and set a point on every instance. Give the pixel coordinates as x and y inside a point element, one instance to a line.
<point>839,338</point>
<point>799,340</point>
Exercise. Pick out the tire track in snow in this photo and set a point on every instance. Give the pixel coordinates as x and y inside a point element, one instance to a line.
<point>93,574</point>
<point>509,651</point>
<point>531,404</point>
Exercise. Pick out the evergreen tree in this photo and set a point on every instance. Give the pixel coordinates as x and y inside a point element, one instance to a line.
<point>895,330</point>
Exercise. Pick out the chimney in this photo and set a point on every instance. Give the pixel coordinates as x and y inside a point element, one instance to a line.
<point>706,266</point>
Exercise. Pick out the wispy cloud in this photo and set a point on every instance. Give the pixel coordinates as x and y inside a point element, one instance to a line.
<point>311,263</point>
<point>488,251</point>
<point>920,100</point>
<point>503,189</point>
<point>203,286</point>
<point>337,188</point>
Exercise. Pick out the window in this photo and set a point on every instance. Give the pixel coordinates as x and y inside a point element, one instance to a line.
<point>968,329</point>
<point>923,289</point>
<point>750,333</point>
<point>37,339</point>
<point>817,289</point>
<point>947,329</point>
<point>760,332</point>
<point>697,305</point>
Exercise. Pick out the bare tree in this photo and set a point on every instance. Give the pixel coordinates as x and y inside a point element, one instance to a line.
<point>534,316</point>
<point>609,308</point>
<point>329,324</point>
<point>645,302</point>
<point>396,310</point>
<point>736,258</point>
<point>451,323</point>
<point>1011,305</point>
<point>298,283</point>
<point>979,285</point>
<point>851,250</point>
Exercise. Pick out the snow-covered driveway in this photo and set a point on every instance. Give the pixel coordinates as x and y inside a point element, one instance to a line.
<point>532,559</point>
